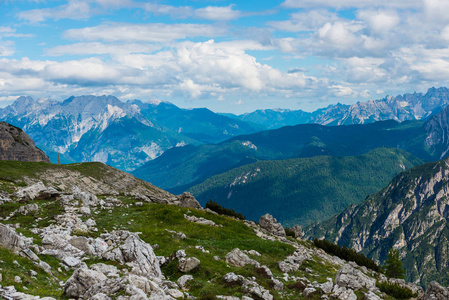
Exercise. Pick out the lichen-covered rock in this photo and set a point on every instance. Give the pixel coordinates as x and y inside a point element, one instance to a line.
<point>183,280</point>
<point>294,261</point>
<point>271,225</point>
<point>237,258</point>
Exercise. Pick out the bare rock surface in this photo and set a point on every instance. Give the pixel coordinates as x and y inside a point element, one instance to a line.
<point>237,258</point>
<point>16,145</point>
<point>271,225</point>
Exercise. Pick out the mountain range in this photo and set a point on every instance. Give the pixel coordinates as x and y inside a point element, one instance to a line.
<point>124,135</point>
<point>415,106</point>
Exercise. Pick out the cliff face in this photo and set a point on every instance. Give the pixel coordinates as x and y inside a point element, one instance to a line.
<point>411,214</point>
<point>17,145</point>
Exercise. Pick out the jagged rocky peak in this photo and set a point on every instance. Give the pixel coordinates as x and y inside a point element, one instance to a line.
<point>410,214</point>
<point>16,145</point>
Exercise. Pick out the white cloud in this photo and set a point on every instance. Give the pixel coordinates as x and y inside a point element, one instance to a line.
<point>152,32</point>
<point>74,9</point>
<point>217,13</point>
<point>337,35</point>
<point>305,21</point>
<point>379,21</point>
<point>174,11</point>
<point>352,3</point>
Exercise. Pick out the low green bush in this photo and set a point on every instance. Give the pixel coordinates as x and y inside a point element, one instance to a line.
<point>395,290</point>
<point>212,205</point>
<point>347,254</point>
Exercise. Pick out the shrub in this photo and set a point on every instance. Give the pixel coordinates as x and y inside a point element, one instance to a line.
<point>347,254</point>
<point>212,205</point>
<point>395,290</point>
<point>289,232</point>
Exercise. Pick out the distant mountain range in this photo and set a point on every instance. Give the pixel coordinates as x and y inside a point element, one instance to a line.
<point>123,135</point>
<point>416,106</point>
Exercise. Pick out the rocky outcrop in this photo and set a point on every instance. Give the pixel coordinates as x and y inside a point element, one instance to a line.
<point>436,292</point>
<point>411,210</point>
<point>11,240</point>
<point>271,225</point>
<point>237,258</point>
<point>15,144</point>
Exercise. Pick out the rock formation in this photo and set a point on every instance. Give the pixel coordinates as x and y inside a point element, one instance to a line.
<point>16,145</point>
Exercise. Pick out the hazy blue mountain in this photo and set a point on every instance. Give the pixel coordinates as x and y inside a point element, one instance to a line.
<point>303,190</point>
<point>125,135</point>
<point>415,106</point>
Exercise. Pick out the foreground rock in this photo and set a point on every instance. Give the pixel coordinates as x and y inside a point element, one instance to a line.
<point>271,225</point>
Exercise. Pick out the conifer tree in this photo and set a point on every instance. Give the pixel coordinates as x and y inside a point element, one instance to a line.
<point>393,265</point>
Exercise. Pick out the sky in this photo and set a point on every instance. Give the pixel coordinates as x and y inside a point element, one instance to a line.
<point>228,56</point>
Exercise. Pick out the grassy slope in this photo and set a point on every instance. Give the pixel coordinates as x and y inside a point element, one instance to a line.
<point>151,220</point>
<point>305,189</point>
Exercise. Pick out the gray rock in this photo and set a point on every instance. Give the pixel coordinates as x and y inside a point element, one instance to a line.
<point>237,258</point>
<point>327,286</point>
<point>188,264</point>
<point>17,279</point>
<point>252,288</point>
<point>80,243</point>
<point>187,200</point>
<point>100,296</point>
<point>297,230</point>
<point>9,239</point>
<point>81,281</point>
<point>342,293</point>
<point>28,209</point>
<point>371,296</point>
<point>139,204</point>
<point>183,280</point>
<point>30,254</point>
<point>107,270</point>
<point>181,254</point>
<point>436,292</point>
<point>350,277</point>
<point>231,277</point>
<point>200,220</point>
<point>308,292</point>
<point>127,247</point>
<point>71,261</point>
<point>85,210</point>
<point>271,225</point>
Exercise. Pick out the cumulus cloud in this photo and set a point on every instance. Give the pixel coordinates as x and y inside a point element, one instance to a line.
<point>150,32</point>
<point>97,48</point>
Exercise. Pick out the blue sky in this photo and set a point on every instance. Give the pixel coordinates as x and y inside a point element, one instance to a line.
<point>229,56</point>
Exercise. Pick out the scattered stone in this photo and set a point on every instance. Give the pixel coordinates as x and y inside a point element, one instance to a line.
<point>183,280</point>
<point>71,261</point>
<point>271,225</point>
<point>181,254</point>
<point>237,258</point>
<point>188,264</point>
<point>139,204</point>
<point>28,209</point>
<point>85,211</point>
<point>201,220</point>
<point>17,279</point>
<point>9,239</point>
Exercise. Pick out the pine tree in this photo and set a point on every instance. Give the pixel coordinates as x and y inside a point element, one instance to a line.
<point>393,265</point>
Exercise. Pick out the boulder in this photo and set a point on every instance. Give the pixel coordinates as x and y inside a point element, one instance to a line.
<point>271,225</point>
<point>297,230</point>
<point>350,277</point>
<point>183,280</point>
<point>127,247</point>
<point>28,209</point>
<point>188,264</point>
<point>436,292</point>
<point>187,200</point>
<point>237,258</point>
<point>82,280</point>
<point>11,240</point>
